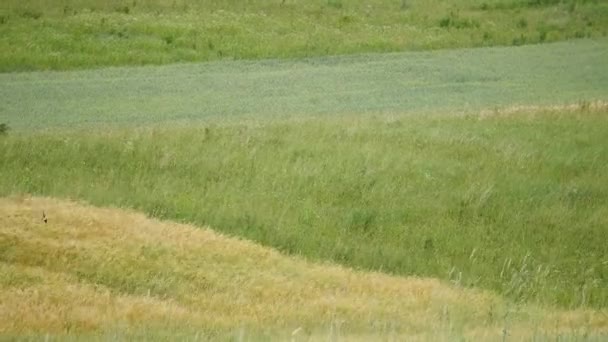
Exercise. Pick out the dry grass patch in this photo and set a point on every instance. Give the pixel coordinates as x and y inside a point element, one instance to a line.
<point>91,270</point>
<point>580,108</point>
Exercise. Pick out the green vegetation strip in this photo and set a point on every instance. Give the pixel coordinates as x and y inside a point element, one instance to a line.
<point>64,34</point>
<point>514,202</point>
<point>454,81</point>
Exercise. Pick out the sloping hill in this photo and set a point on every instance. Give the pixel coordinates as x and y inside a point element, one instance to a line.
<point>91,272</point>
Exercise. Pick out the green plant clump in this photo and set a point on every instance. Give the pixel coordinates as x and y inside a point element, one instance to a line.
<point>3,129</point>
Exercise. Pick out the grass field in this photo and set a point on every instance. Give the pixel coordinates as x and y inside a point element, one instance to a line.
<point>397,170</point>
<point>454,81</point>
<point>68,34</point>
<point>516,203</point>
<point>106,274</point>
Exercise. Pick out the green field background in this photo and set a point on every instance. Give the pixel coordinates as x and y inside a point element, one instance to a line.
<point>68,34</point>
<point>453,81</point>
<point>425,138</point>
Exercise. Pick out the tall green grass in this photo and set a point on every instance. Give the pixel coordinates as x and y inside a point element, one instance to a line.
<point>68,34</point>
<point>515,203</point>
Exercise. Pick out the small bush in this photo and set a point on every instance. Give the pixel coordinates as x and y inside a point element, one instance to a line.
<point>31,14</point>
<point>4,129</point>
<point>169,39</point>
<point>123,9</point>
<point>521,40</point>
<point>453,20</point>
<point>346,19</point>
<point>67,10</point>
<point>361,220</point>
<point>120,33</point>
<point>522,23</point>
<point>542,36</point>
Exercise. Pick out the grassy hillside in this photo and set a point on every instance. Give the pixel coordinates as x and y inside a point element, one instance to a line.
<point>516,202</point>
<point>100,274</point>
<point>68,34</point>
<point>451,81</point>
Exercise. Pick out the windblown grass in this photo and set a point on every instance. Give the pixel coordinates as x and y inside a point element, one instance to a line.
<point>104,273</point>
<point>60,34</point>
<point>516,202</point>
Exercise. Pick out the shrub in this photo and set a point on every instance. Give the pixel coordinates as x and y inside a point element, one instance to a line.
<point>453,20</point>
<point>31,14</point>
<point>4,129</point>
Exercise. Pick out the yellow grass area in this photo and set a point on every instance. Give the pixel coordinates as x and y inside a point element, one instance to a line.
<point>91,271</point>
<point>581,108</point>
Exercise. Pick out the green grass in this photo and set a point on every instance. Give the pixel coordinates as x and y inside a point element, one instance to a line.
<point>374,161</point>
<point>107,274</point>
<point>60,34</point>
<point>413,82</point>
<point>516,203</point>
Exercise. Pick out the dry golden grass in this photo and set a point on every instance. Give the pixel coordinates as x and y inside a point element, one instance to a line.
<point>581,108</point>
<point>91,270</point>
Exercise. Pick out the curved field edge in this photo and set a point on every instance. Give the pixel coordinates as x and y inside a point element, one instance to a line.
<point>96,272</point>
<point>59,35</point>
<point>513,201</point>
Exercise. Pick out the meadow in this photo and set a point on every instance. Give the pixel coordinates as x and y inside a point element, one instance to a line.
<point>68,34</point>
<point>96,274</point>
<point>304,170</point>
<point>515,203</point>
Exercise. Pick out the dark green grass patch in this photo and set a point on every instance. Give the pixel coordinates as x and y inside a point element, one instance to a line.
<point>59,35</point>
<point>516,203</point>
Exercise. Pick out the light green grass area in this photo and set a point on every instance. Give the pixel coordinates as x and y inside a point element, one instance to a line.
<point>65,34</point>
<point>449,81</point>
<point>513,202</point>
